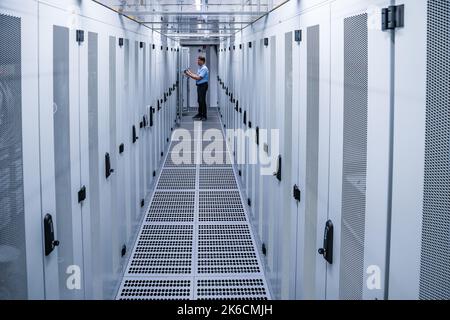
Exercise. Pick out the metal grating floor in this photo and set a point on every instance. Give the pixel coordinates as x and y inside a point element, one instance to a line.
<point>195,241</point>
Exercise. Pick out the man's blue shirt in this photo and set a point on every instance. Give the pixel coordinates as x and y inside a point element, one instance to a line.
<point>204,73</point>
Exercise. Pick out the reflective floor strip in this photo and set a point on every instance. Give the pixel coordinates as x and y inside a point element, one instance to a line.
<point>195,241</point>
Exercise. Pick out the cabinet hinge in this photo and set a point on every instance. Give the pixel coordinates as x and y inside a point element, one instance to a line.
<point>80,36</point>
<point>393,17</point>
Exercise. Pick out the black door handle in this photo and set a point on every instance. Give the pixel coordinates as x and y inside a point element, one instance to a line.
<point>108,169</point>
<point>327,250</point>
<point>277,173</point>
<point>49,235</point>
<point>135,137</point>
<point>151,116</point>
<point>296,193</point>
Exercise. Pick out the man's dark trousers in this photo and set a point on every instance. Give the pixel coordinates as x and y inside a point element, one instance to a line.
<point>201,95</point>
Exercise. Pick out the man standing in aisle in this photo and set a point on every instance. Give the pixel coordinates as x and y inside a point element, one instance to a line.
<point>201,78</point>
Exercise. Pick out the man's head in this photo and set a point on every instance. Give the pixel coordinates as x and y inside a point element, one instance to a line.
<point>201,60</point>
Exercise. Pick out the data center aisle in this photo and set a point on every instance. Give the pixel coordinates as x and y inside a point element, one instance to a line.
<point>195,241</point>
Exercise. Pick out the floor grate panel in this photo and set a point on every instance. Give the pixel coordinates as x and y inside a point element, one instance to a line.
<point>156,289</point>
<point>173,179</point>
<point>217,179</point>
<point>220,206</point>
<point>148,258</point>
<point>217,145</point>
<point>234,289</point>
<point>174,206</point>
<point>213,243</point>
<point>195,241</point>
<point>215,159</point>
<point>179,159</point>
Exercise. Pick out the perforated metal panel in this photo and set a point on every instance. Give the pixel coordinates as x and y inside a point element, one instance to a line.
<point>354,157</point>
<point>195,237</point>
<point>312,153</point>
<point>217,239</point>
<point>435,251</point>
<point>220,206</point>
<point>217,179</point>
<point>13,272</point>
<point>62,154</point>
<point>218,144</point>
<point>215,159</point>
<point>231,289</point>
<point>187,144</point>
<point>181,159</point>
<point>148,257</point>
<point>177,179</point>
<point>155,289</point>
<point>177,206</point>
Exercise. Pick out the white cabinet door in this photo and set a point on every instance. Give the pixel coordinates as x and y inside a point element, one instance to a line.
<point>60,149</point>
<point>21,245</point>
<point>313,142</point>
<point>360,134</point>
<point>420,237</point>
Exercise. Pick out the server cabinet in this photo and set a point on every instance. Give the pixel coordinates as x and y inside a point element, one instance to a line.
<point>119,144</point>
<point>312,132</point>
<point>126,126</point>
<point>140,109</point>
<point>275,174</point>
<point>21,221</point>
<point>260,74</point>
<point>419,248</point>
<point>148,102</point>
<point>252,155</point>
<point>294,62</point>
<point>359,152</point>
<point>133,132</point>
<point>61,181</point>
<point>289,143</point>
<point>154,95</point>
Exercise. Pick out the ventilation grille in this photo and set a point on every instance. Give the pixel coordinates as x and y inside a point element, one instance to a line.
<point>231,289</point>
<point>172,179</point>
<point>354,157</point>
<point>435,252</point>
<point>194,236</point>
<point>185,145</point>
<point>215,159</point>
<point>219,145</point>
<point>13,283</point>
<point>148,257</point>
<point>180,159</point>
<point>217,179</point>
<point>214,255</point>
<point>155,289</point>
<point>312,152</point>
<point>176,206</point>
<point>220,206</point>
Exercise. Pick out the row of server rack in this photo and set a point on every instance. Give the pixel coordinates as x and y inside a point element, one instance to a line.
<point>87,105</point>
<point>345,106</point>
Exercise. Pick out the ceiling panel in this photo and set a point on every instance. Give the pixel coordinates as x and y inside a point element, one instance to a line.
<point>194,19</point>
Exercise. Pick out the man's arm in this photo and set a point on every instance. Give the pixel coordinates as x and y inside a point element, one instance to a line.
<point>192,75</point>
